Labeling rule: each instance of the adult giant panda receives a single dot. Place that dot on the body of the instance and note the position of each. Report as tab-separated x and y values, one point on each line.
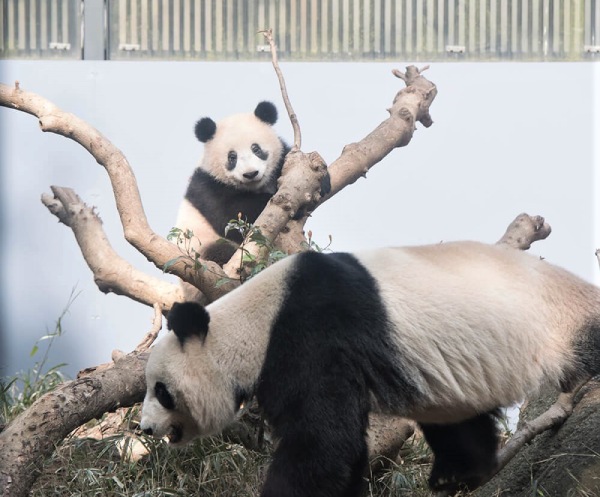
243	158
442	334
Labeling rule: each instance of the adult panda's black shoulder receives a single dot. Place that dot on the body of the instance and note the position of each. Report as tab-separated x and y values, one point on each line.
443	334
243	158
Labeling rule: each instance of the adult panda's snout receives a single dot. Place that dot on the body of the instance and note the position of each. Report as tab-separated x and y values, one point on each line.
145	427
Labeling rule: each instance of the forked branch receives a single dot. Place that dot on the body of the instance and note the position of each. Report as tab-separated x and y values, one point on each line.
111	272
136	229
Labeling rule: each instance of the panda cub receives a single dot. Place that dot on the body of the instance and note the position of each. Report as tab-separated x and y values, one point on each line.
442	334
243	158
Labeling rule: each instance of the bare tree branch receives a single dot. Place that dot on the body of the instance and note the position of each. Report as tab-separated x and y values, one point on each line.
149	337
277	220
298	187
111	272
277	216
411	105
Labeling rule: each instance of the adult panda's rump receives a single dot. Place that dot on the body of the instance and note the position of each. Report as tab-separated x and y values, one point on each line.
586	356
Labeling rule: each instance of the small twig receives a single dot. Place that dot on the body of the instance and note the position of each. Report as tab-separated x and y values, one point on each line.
598	256
268	34
150	337
144	345
555	415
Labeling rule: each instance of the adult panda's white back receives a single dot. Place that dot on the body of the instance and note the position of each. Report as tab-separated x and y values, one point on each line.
480	326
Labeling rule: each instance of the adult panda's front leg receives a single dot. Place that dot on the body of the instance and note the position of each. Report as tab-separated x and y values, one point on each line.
320	423
308	465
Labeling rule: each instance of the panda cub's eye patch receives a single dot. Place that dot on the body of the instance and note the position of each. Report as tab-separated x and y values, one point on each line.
231	159
163	396
259	152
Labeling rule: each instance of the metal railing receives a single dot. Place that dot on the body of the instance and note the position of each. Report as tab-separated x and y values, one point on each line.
307	29
40	29
357	29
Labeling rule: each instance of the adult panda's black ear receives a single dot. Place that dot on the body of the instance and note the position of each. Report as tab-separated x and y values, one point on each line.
266	112
188	319
205	129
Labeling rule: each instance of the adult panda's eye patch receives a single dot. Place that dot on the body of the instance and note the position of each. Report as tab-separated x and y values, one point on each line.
163	396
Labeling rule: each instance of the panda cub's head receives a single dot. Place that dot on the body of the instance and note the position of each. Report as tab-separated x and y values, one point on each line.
188	394
243	150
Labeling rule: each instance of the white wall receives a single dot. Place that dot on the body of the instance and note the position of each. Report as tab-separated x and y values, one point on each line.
507	138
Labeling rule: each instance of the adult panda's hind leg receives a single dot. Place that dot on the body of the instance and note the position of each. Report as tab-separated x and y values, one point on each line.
465	453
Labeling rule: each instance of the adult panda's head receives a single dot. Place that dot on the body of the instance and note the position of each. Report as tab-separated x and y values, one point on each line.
243	150
187	392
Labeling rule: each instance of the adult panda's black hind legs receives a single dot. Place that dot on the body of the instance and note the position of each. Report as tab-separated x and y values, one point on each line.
465	453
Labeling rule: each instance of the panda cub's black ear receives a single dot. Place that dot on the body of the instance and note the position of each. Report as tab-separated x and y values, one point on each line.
266	112
205	129
188	319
